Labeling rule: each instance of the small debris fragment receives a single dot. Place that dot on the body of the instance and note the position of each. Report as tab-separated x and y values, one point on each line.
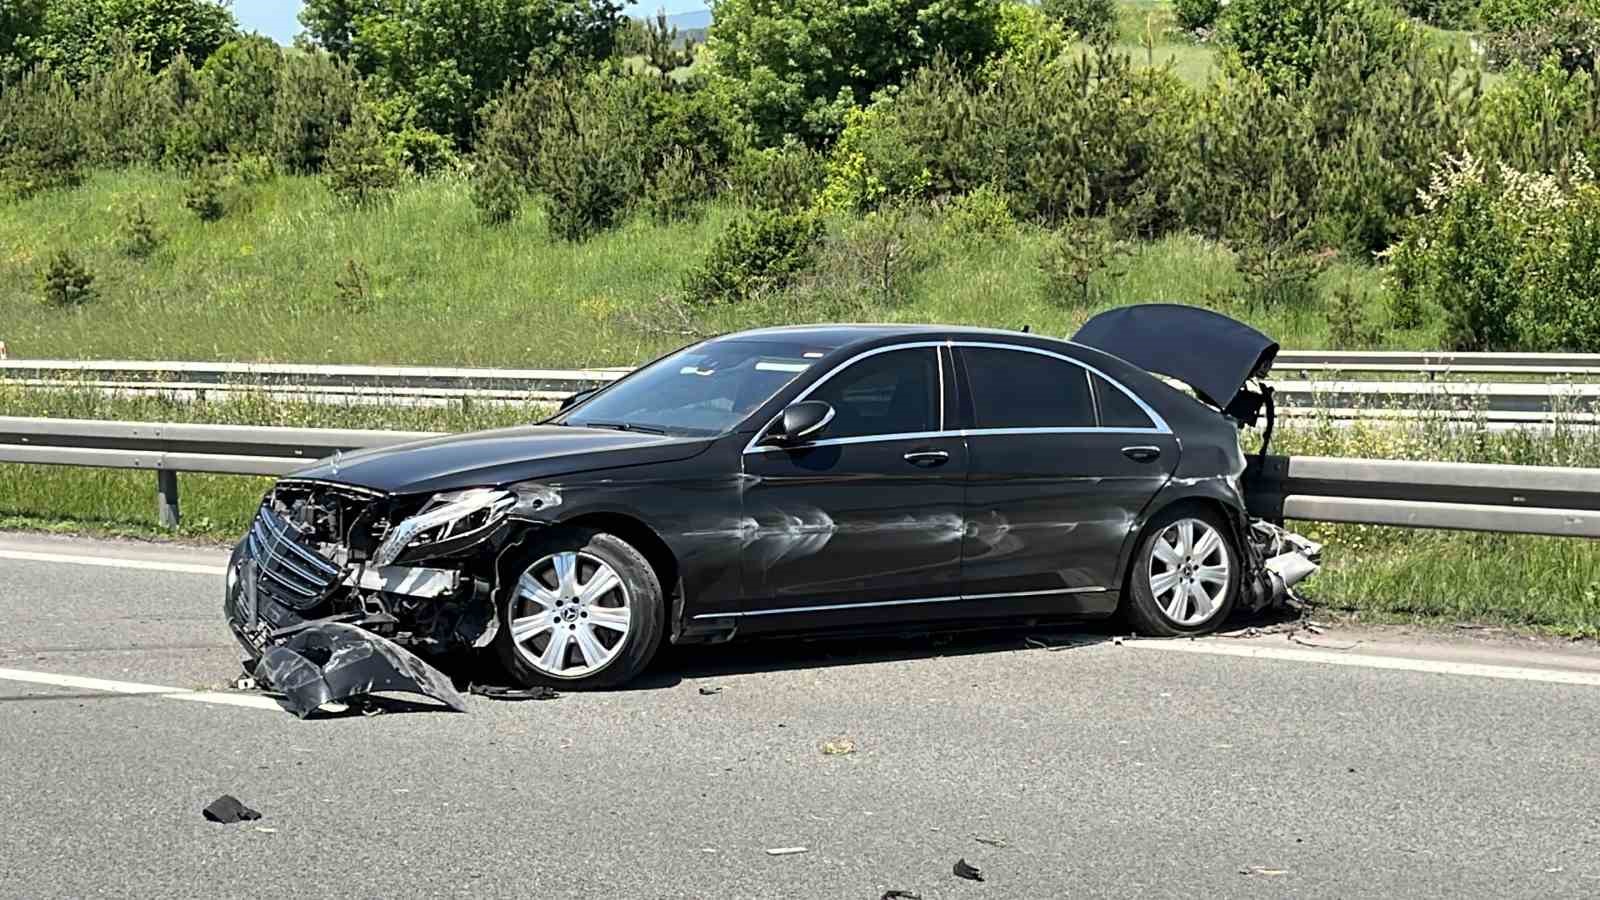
1117	641
710	691
993	842
242	683
838	746
969	872
265	830
227	809
785	851
1305	643
1262	870
1035	642
900	895
497	692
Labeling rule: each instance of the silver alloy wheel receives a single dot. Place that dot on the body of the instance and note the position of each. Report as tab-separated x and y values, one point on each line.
1189	569
570	614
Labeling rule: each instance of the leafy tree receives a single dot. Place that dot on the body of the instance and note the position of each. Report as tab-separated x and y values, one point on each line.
79	36
797	66
449	57
238	91
21	24
1284	41
1094	20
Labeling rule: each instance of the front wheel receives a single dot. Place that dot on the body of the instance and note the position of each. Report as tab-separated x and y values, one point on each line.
583	611
1185	574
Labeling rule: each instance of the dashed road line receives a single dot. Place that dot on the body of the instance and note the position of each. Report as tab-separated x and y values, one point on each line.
1216	647
162	692
114	562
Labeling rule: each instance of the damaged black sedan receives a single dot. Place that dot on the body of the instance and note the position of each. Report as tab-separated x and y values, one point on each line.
806	479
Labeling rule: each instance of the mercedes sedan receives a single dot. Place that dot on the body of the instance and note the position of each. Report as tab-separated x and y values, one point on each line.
838	478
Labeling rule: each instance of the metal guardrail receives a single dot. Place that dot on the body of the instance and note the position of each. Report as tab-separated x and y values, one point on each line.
1472	497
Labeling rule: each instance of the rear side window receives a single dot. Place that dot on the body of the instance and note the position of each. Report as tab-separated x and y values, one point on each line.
1016	389
1117	410
890	393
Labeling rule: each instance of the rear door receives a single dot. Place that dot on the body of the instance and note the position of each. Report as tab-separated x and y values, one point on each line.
865	521
1062	460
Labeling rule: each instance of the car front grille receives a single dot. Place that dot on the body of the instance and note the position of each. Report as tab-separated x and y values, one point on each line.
287	570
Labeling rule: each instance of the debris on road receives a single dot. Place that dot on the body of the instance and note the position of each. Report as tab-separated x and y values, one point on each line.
786	851
332	661
838	746
1262	870
710	691
265	830
496	692
993	842
969	872
227	810
1305	643
900	895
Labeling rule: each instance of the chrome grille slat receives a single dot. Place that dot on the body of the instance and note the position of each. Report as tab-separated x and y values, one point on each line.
281	563
282	529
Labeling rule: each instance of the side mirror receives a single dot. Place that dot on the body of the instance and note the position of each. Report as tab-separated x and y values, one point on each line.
577	398
800	422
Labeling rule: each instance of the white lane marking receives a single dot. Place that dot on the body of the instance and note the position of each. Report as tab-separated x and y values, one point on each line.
253	701
1369	661
114	562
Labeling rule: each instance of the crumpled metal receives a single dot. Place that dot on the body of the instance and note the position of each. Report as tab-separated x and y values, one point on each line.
334	661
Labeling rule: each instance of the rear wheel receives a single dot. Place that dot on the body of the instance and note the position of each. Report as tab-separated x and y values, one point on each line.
583	611
1185	574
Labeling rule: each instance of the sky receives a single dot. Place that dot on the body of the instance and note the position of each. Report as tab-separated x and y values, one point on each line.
277	18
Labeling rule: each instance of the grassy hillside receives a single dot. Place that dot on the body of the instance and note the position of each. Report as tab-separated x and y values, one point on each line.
440	288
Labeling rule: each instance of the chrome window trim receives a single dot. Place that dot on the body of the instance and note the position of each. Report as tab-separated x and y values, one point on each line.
1160	424
951	599
751	447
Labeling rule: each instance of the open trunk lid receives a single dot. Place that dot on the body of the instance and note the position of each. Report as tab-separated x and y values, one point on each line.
1208	351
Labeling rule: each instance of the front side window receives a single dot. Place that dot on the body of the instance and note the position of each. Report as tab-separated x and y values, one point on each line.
889	393
705	390
1017	389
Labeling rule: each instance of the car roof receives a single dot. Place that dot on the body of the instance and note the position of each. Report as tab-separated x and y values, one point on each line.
835	337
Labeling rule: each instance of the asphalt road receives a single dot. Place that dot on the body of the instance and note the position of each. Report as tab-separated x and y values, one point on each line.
1236	767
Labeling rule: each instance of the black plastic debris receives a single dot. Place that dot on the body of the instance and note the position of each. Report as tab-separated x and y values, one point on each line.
497	692
334	661
227	809
969	872
900	895
710	691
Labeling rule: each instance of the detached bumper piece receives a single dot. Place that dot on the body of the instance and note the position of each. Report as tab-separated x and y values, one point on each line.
332	661
1287	559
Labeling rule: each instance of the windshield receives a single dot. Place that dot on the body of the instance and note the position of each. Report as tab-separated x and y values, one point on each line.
704	390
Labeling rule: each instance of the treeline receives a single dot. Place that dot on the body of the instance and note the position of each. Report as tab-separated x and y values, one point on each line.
1335	127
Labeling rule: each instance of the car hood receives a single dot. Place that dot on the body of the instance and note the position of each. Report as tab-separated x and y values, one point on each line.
500	457
1208	351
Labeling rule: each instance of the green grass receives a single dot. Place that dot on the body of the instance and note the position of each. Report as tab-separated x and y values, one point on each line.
445	290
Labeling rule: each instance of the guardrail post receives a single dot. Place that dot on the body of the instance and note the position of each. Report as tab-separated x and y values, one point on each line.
167	497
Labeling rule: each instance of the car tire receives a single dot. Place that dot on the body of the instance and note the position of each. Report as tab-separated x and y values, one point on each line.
557	591
1162	580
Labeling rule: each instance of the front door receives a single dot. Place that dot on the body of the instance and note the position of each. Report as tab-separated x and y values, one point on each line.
865	521
1062	462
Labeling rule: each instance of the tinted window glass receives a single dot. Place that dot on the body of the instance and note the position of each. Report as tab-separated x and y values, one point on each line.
1117	410
1014	389
704	390
891	393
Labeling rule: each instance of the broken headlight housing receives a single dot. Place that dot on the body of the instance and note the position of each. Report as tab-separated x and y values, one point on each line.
446	523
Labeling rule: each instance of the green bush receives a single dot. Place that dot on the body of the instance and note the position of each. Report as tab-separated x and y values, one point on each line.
1530	32
1078	259
141	238
206	193
981	216
758	255
677	191
787	178
1093	20
1024	29
1537	120
42	145
1455	14
65	282
797	68
1197	15
361	171
591	158
314	99
1285	40
496	193
125	113
238	89
79	37
1510	259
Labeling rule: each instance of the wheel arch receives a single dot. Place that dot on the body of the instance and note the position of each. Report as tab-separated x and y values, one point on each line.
1213	495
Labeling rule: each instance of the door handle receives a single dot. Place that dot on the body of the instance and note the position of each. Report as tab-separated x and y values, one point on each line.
1142	454
927	458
